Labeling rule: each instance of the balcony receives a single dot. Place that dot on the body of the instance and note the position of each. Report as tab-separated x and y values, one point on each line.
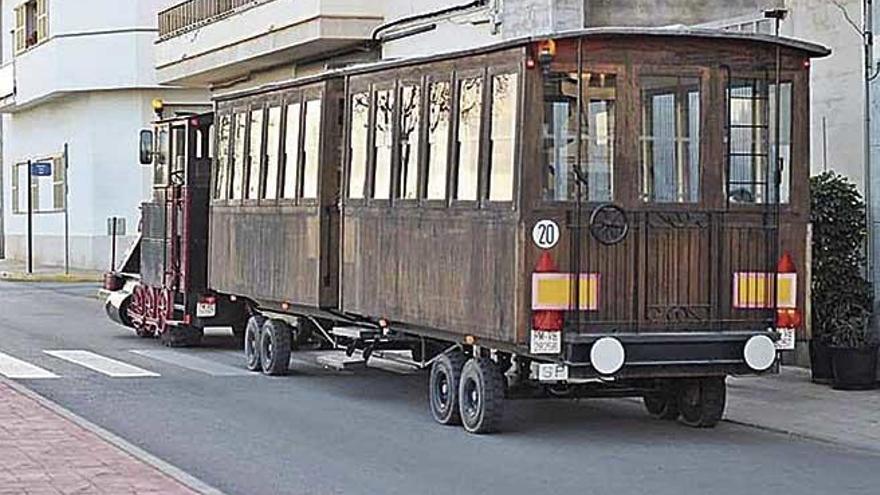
211	42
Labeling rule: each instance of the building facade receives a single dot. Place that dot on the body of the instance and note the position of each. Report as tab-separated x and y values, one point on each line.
80	79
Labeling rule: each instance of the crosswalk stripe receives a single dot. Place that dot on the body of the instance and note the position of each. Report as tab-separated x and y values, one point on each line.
102	364
15	368
191	362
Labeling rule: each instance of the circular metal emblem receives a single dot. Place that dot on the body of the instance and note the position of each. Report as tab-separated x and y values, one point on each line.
545	234
608	224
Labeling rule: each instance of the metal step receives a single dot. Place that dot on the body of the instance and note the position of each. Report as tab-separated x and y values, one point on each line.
337	360
355	333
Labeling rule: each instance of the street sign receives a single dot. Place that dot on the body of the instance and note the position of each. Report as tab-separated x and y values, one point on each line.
115	226
41	169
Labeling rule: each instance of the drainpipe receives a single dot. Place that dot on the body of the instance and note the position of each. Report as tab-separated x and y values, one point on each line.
2	162
870	75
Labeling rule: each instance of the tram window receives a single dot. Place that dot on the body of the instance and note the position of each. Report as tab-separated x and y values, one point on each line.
785	112
160	171
311	148
470	106
273	141
504	99
751	136
360	131
597	128
410	117
255	154
670	139
238	158
178	153
384	142
220	189
291	151
438	138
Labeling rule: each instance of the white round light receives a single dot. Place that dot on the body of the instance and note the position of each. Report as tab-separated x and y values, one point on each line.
607	355
760	352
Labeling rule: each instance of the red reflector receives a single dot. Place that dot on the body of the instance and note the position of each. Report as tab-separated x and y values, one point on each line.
207	299
547	321
187	319
788	318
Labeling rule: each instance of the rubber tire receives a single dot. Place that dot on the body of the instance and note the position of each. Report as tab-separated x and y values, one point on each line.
251	342
701	401
663	405
447	368
275	348
481	378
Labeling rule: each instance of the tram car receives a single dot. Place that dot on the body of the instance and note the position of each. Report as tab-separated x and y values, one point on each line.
608	212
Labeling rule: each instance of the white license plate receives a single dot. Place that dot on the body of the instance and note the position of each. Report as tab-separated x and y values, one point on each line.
552	372
546	342
206	310
786	339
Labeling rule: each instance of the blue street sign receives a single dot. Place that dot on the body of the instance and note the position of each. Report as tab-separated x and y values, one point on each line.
41	169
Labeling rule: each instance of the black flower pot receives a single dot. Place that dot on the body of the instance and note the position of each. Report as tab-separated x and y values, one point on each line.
854	369
820	362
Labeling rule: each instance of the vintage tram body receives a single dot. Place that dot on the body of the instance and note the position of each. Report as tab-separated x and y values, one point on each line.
607	212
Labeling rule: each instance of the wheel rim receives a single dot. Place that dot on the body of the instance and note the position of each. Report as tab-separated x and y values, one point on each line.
442	395
471	398
268	347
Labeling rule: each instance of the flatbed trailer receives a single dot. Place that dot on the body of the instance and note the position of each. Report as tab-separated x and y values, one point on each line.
609	212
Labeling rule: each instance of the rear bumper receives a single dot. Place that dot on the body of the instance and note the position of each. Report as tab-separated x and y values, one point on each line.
666	355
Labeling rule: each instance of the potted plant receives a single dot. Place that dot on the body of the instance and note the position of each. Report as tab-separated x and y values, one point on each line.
841	297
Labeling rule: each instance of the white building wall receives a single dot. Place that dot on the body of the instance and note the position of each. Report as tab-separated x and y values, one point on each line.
90	86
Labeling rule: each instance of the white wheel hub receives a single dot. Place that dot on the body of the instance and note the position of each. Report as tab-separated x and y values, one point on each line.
607	355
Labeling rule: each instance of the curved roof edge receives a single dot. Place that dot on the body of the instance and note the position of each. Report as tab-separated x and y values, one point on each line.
812	49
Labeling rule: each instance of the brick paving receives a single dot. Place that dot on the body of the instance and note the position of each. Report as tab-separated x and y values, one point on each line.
42	452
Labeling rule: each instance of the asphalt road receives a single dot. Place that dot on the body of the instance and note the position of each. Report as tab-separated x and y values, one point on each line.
369	432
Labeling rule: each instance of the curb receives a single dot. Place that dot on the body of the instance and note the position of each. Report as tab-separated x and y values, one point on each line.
47	277
803	436
165	468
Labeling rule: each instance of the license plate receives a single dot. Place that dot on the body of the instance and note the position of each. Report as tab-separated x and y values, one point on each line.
206	309
786	339
546	342
552	372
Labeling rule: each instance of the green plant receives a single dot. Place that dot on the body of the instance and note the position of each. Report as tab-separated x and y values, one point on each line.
841	297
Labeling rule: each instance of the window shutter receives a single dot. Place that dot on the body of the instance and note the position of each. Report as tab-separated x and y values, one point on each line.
42	20
58	184
16	200
20	41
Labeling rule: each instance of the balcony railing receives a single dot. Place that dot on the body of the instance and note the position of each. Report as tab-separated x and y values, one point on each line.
192	14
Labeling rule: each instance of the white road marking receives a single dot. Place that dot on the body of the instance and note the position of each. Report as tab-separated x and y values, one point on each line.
102	364
193	363
11	367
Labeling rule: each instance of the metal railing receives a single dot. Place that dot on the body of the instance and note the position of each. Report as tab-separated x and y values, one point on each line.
192	14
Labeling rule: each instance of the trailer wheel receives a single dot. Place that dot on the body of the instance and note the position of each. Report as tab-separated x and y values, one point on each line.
481	396
252	342
443	388
662	405
701	402
275	347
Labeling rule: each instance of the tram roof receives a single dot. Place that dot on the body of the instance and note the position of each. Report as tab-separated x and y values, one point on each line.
812	50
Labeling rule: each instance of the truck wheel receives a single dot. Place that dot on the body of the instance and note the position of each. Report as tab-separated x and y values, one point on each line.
481	396
443	388
662	405
701	402
252	342
275	347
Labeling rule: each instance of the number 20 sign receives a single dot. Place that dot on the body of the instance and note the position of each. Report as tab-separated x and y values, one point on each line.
545	234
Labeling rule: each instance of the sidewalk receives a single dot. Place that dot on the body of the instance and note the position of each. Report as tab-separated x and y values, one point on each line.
790	403
44	450
15	270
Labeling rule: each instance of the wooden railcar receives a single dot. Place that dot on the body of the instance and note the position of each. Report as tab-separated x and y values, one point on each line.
610	211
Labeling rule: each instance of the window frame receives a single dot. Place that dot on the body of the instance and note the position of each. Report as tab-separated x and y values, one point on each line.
519	106
288	99
356	88
370	190
222	112
311	94
620	190
448	77
787	76
272	103
254	106
704	188
455	155
398	186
